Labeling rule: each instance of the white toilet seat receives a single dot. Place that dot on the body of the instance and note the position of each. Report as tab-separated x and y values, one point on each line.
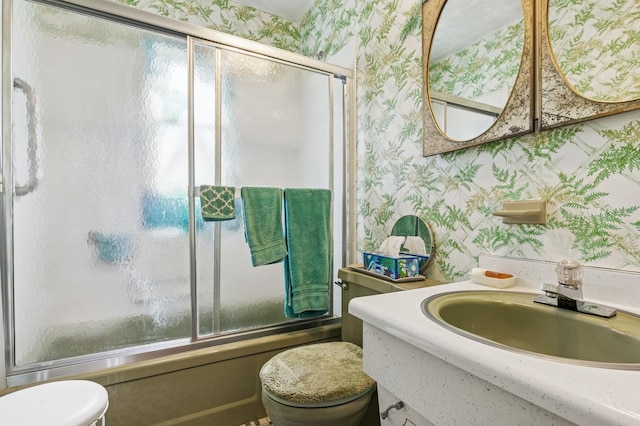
63	403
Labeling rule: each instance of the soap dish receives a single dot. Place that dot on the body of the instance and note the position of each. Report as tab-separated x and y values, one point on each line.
479	276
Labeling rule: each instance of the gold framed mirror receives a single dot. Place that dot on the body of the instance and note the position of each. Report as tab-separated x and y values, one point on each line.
588	60
458	116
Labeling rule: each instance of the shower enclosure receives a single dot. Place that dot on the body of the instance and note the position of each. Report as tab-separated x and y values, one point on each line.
112	119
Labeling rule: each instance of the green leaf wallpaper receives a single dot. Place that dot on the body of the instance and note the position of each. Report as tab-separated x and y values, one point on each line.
228	17
589	173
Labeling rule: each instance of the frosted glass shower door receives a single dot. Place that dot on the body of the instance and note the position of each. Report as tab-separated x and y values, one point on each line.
101	243
275	132
116	123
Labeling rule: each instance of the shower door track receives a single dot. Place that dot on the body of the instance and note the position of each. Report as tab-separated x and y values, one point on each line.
142	19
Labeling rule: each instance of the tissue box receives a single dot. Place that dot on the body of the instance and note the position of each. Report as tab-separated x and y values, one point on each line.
403	266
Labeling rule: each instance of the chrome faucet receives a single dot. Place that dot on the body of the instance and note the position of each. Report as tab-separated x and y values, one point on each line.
567	294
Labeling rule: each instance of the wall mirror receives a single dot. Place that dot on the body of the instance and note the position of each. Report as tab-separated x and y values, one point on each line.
413	226
589	54
478	72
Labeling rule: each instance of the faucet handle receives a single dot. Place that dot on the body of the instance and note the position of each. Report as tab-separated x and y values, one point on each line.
569	273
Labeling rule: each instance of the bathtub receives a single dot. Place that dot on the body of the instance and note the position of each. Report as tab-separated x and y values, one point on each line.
213	386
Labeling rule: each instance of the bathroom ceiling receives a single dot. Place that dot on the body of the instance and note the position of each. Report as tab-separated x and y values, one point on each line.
292	10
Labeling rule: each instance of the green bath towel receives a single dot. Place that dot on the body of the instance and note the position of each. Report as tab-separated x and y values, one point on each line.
217	202
263	229
308	262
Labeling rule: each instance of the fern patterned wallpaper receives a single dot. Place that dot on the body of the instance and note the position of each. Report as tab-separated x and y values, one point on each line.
228	17
589	173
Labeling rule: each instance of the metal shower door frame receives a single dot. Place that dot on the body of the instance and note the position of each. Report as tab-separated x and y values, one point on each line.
144	20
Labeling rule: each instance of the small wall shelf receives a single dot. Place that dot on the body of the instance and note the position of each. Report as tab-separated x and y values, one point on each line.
523	212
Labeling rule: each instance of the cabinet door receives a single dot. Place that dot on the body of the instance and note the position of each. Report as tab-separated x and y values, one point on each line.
405	416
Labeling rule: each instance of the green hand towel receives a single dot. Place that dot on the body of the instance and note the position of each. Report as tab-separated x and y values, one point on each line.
263	224
308	262
216	202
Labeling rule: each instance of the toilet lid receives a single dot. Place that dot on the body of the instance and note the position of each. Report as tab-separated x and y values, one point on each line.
316	375
64	403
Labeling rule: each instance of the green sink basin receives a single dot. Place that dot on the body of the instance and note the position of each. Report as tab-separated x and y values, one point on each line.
512	321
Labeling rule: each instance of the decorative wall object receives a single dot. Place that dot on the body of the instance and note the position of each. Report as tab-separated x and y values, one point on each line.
493	96
588	59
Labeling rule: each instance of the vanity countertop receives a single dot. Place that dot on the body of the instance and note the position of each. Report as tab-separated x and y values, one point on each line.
583	395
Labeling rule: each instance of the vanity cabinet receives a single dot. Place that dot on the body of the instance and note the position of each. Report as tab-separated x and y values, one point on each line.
436	392
445	378
405	416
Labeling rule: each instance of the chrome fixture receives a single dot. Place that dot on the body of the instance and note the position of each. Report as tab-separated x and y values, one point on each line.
567	294
398	406
342	284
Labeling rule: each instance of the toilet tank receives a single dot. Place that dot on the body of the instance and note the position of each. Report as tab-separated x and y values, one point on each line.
355	283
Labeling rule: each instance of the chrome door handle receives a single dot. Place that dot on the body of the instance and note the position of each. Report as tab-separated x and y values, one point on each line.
32	138
397	406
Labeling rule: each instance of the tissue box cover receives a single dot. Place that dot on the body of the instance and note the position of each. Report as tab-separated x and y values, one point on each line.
405	265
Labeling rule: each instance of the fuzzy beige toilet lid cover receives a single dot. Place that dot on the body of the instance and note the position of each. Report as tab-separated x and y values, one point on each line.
323	372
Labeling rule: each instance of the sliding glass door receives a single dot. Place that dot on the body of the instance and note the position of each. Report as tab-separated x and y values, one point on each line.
115	127
100	237
275	132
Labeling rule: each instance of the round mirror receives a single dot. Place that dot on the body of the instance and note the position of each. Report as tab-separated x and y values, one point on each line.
596	48
422	244
475	57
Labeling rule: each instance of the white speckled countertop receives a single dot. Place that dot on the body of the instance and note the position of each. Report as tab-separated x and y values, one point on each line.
583	395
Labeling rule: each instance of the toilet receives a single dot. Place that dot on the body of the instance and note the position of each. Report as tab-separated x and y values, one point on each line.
63	403
324	383
321	384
